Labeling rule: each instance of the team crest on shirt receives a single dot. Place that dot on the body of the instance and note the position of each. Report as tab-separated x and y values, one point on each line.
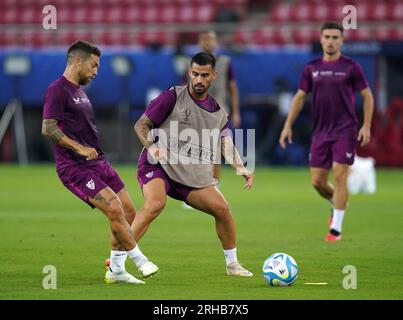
91	184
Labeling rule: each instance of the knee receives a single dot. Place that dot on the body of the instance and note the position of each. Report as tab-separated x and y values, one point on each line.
153	208
130	214
222	210
340	178
318	184
116	212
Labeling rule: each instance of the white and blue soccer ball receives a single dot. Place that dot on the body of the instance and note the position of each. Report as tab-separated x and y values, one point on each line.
280	269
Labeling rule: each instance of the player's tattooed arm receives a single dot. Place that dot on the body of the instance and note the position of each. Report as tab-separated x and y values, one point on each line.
142	128
51	130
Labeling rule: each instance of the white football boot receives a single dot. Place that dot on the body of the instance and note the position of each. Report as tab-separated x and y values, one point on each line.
123	277
148	269
235	269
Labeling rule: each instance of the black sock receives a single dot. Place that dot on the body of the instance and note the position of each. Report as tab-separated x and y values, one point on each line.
334	232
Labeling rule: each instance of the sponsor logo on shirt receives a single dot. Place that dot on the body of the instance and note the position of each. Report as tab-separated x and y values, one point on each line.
326	73
150	174
339	73
349	155
79	100
91	184
315	73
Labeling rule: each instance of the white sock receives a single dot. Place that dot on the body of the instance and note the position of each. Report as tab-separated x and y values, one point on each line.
338	216
137	256
118	260
230	256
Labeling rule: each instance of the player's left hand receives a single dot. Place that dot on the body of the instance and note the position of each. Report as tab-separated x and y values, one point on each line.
248	177
364	135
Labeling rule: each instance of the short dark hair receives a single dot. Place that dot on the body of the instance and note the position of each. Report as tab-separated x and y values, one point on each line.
204	31
332	25
82	48
203	59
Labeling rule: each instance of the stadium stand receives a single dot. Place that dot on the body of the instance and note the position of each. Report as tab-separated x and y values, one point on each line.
281	24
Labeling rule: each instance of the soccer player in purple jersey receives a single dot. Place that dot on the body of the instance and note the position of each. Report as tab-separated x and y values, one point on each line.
333	81
68	121
192	108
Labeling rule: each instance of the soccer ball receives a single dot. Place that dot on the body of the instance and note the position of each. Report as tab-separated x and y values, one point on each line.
280	269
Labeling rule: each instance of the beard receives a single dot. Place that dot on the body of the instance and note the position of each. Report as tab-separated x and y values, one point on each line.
199	89
331	51
83	80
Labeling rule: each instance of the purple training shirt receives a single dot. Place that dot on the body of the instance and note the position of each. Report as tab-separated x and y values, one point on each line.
68	103
333	85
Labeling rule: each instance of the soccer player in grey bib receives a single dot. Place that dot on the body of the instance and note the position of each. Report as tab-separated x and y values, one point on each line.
178	165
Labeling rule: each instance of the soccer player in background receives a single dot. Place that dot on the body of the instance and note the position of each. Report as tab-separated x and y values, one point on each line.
190	107
333	80
68	121
224	89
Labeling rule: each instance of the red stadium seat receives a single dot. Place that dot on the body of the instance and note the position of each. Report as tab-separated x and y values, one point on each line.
65	14
97	15
132	14
114	37
115	15
305	35
321	12
7	38
10	16
281	12
396	11
302	12
168	14
378	12
396	34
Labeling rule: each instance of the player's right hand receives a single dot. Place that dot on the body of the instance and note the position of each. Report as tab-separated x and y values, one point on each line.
286	134
157	154
88	153
248	177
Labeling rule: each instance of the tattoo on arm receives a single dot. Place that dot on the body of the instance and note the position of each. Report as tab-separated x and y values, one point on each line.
142	128
50	129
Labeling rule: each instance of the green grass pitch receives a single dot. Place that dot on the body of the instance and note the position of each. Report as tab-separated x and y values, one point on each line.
42	223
